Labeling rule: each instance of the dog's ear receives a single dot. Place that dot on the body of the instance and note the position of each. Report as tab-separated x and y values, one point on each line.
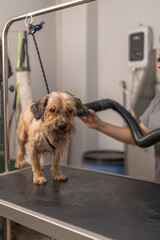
38	108
81	108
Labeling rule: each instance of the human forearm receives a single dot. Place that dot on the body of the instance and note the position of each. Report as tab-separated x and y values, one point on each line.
122	134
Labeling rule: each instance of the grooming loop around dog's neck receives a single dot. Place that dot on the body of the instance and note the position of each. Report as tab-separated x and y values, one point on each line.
47	140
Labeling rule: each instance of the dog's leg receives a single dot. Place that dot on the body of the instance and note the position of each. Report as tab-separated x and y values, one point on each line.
56	172
22	138
38	176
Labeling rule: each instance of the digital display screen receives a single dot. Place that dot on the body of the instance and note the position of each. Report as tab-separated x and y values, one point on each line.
137	37
136	46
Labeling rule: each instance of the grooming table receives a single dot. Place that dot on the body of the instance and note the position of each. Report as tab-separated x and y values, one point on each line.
91	205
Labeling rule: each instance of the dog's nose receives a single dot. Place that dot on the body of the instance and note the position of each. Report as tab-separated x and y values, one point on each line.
62	126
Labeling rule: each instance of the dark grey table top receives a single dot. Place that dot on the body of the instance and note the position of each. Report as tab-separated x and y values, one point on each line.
108	205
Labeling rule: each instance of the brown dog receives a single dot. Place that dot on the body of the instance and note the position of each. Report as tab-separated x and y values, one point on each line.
46	125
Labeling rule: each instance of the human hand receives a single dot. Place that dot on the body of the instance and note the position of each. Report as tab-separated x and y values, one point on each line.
91	120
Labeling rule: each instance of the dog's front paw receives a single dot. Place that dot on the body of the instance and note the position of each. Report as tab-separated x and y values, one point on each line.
39	180
20	164
60	178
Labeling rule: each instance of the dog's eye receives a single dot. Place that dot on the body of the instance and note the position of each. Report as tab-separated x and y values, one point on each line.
52	110
70	111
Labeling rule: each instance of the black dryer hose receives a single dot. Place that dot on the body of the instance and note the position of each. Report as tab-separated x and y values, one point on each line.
140	140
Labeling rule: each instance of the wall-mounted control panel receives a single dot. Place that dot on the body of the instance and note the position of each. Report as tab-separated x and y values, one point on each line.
139	47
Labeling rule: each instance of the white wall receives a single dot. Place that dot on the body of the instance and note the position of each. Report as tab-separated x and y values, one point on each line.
71	64
86	54
46	43
109	38
115	18
76	65
45	39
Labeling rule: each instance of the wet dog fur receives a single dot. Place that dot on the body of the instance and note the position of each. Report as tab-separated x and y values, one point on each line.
47	125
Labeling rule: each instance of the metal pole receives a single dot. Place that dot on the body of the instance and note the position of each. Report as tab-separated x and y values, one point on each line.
5	97
5	63
8	229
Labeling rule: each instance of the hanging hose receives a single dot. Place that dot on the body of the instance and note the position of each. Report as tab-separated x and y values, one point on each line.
140	140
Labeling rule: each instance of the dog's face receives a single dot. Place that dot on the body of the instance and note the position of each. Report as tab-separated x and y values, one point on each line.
57	111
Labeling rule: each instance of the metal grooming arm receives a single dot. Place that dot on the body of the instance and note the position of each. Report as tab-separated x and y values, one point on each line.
5	64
